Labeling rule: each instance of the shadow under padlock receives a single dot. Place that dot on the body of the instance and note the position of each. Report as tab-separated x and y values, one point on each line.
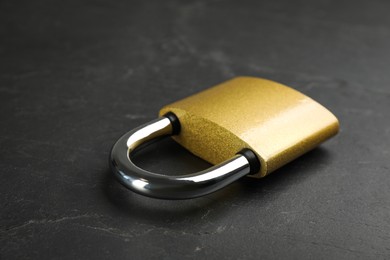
166	156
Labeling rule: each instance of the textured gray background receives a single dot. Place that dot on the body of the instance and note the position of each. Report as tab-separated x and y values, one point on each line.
75	75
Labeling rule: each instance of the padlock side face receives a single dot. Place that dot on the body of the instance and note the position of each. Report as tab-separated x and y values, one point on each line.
205	138
278	123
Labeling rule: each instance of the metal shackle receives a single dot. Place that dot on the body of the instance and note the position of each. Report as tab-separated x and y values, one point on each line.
173	187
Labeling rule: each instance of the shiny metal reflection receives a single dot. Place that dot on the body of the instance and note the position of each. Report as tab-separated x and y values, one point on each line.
163	186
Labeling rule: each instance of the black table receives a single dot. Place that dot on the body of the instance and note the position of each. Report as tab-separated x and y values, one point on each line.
75	75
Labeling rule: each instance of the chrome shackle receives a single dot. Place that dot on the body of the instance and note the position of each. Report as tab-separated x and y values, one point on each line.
173	187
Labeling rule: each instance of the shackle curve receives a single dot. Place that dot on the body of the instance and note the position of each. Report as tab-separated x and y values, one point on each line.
173	187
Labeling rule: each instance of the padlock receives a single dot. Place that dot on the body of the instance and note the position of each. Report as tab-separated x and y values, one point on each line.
245	126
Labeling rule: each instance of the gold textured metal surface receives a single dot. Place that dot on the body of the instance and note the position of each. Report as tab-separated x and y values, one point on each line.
277	122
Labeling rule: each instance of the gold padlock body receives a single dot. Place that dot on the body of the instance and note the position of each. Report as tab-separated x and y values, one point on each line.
276	122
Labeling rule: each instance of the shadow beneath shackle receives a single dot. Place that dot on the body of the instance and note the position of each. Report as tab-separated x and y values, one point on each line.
167	157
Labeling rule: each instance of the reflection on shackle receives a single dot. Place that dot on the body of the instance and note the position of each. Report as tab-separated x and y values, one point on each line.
163	186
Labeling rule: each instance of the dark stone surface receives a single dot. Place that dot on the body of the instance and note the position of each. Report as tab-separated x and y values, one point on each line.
75	75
